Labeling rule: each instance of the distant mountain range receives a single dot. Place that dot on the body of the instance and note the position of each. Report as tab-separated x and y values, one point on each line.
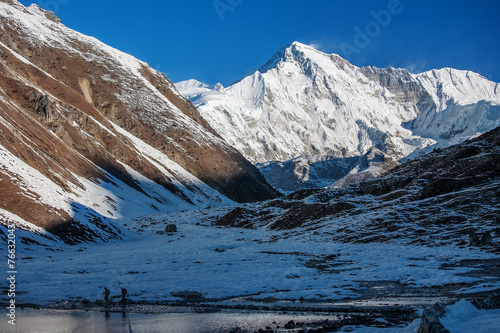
306	116
90	135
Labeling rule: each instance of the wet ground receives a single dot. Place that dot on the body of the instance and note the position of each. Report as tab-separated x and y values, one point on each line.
242	314
206	319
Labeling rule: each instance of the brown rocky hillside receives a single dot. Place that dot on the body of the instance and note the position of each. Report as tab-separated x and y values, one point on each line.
76	113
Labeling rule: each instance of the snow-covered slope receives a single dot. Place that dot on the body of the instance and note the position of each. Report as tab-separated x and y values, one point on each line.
90	135
305	102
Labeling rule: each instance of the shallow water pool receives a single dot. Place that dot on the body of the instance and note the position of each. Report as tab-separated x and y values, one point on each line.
45	320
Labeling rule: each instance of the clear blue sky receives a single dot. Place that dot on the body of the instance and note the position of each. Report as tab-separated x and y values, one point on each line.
223	40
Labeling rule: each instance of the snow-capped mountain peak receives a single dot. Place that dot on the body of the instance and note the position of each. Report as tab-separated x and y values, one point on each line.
193	87
464	86
300	54
306	102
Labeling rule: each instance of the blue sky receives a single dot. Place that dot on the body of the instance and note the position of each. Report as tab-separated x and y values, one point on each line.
223	40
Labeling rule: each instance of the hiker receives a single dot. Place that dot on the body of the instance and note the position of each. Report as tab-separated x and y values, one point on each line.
124	292
106	294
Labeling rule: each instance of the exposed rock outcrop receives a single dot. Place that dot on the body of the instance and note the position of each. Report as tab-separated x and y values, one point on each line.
430	320
171	228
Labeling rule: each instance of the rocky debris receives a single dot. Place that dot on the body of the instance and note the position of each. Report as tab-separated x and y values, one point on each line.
73	233
490	302
280	203
443	171
436	199
430	322
327	264
297	215
236	330
188	295
248	217
302	194
237	218
372	317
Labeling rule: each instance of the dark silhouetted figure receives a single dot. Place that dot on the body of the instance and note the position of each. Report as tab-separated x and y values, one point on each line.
106	295
124	292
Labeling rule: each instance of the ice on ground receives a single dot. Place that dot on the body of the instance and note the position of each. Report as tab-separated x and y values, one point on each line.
463	317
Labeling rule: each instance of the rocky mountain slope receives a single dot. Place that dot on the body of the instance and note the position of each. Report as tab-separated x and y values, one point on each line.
319	106
322	171
90	134
448	197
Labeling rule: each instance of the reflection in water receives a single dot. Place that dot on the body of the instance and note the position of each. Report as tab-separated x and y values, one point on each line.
29	320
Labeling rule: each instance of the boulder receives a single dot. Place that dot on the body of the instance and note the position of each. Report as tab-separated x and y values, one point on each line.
171	228
473	239
430	320
476	240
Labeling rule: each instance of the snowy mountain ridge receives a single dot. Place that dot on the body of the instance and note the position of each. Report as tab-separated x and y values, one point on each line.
304	102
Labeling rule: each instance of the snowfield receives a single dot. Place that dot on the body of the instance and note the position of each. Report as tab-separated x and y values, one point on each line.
400	242
233	266
226	263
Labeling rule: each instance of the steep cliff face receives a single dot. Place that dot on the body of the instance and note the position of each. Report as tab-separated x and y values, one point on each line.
90	133
307	103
